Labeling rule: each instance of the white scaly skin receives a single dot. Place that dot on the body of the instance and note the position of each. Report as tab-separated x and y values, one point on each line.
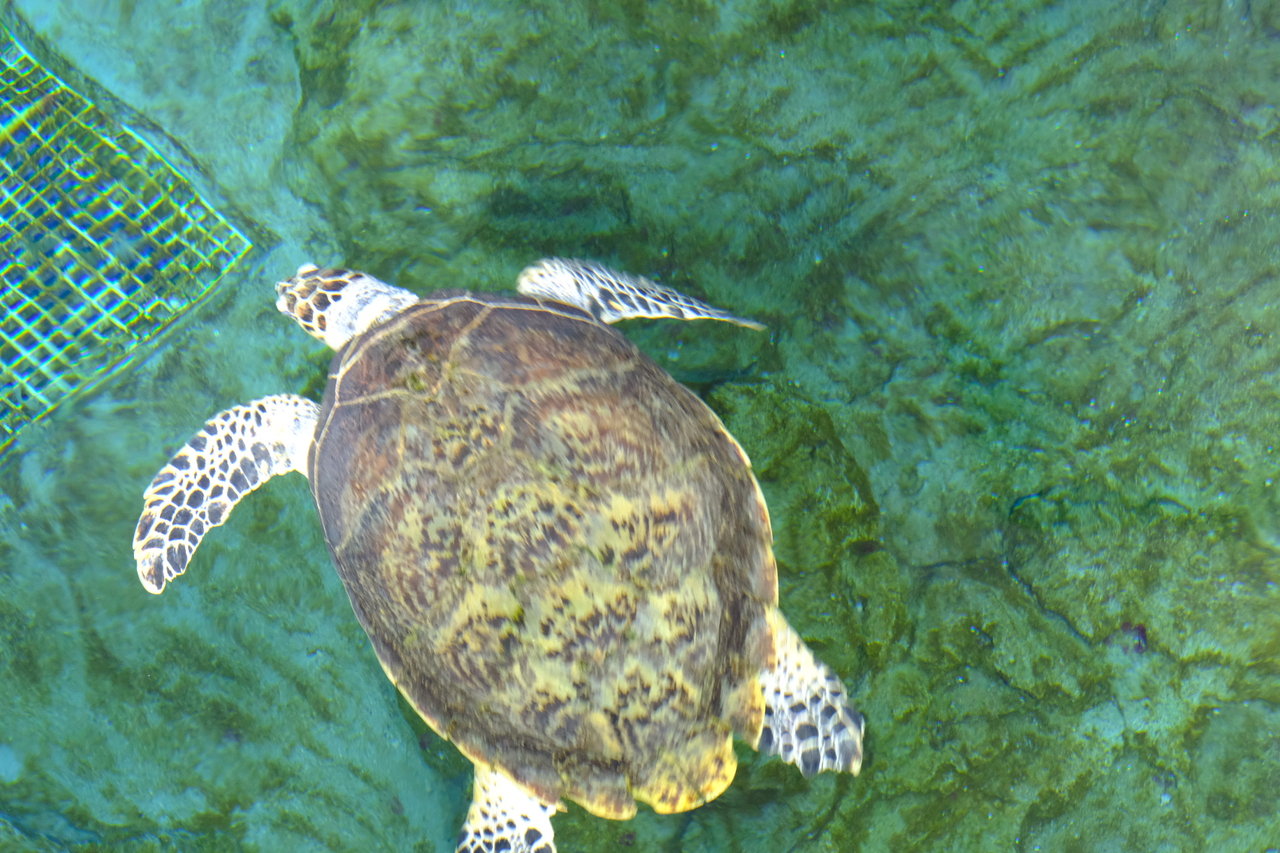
505	816
236	452
610	296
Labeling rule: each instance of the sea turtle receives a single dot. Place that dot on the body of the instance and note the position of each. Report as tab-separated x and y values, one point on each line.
559	553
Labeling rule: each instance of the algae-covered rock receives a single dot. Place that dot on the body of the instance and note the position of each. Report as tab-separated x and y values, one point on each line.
1015	414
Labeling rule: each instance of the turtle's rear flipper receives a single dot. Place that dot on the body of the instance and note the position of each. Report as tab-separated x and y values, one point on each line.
505	817
808	719
237	451
610	296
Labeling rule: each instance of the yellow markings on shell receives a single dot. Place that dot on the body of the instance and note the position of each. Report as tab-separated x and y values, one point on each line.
485	615
691	776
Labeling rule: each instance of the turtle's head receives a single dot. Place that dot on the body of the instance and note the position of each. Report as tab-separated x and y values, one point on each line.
336	305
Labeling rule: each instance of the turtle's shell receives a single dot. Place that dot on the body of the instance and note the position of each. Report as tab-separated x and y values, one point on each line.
559	552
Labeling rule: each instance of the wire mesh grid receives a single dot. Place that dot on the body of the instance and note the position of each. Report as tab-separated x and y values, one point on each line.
102	242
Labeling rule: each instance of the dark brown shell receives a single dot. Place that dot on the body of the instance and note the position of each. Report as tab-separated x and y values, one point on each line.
559	553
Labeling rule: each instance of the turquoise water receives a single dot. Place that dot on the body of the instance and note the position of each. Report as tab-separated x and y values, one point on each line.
1015	415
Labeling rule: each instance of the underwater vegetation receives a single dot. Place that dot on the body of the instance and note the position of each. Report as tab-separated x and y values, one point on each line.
1015	414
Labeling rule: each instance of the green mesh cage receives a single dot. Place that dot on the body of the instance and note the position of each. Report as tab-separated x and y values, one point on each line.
102	242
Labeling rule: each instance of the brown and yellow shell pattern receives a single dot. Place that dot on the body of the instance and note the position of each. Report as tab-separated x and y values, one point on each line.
560	554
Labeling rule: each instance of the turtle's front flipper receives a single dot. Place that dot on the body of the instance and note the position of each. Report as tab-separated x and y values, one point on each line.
505	816
235	452
611	296
808	719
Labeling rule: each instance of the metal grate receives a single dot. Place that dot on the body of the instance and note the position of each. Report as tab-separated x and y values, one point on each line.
102	242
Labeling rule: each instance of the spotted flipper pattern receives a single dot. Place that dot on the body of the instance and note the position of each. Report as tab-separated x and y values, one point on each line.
610	296
505	817
808	720
236	452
